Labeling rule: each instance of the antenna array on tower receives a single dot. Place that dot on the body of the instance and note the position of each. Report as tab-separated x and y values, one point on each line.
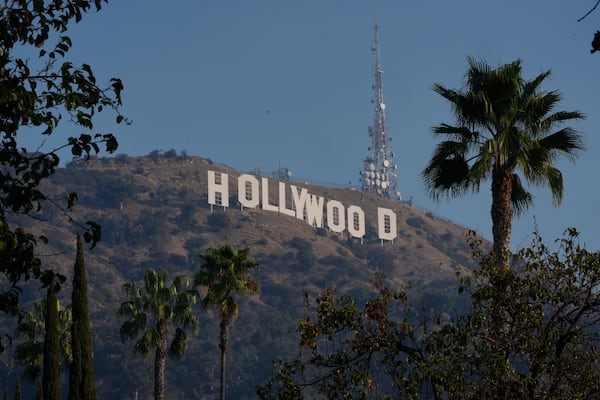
379	168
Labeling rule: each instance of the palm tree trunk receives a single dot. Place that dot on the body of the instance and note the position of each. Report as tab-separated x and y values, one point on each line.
501	215
223	345
160	362
501	229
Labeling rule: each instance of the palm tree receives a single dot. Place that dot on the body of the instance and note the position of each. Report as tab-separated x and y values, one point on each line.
152	312
225	272
31	327
506	129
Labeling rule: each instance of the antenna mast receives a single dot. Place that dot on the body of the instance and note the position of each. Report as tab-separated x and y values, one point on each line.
379	168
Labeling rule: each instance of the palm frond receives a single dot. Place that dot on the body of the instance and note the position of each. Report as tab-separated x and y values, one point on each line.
188	319
149	341
561	116
151	281
531	87
229	308
520	198
535	109
554	180
128	308
480	169
132	327
449	94
201	278
460	133
131	290
448	176
31	356
181	281
225	272
566	141
178	344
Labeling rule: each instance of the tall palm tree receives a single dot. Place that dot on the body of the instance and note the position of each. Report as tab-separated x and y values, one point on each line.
152	312
225	272
506	129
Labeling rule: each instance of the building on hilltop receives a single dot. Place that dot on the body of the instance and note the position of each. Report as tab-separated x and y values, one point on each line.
379	168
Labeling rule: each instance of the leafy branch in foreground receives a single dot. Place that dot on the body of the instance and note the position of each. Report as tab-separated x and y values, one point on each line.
530	332
39	89
349	352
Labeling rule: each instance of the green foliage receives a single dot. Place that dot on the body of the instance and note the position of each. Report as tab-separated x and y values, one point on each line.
218	221
305	257
415	222
186	220
40	88
380	259
447	237
152	223
300	244
17	252
262	241
336	261
321	232
349	352
115	232
170	153
113	190
530	333
154	155
193	244
358	249
82	385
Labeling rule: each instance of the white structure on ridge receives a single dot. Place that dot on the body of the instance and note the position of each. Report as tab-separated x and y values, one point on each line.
379	169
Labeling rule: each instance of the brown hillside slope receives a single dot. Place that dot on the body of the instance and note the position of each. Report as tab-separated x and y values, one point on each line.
155	213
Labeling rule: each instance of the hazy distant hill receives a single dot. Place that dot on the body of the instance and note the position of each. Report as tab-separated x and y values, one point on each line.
154	212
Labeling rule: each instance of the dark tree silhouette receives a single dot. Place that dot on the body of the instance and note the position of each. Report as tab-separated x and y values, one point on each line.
81	374
51	368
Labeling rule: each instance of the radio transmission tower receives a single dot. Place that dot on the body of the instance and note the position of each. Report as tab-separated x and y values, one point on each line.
379	169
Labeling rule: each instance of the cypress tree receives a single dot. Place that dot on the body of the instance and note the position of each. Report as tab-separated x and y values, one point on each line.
81	375
51	366
39	394
18	389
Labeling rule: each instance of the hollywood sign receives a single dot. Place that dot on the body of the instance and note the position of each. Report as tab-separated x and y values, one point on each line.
253	192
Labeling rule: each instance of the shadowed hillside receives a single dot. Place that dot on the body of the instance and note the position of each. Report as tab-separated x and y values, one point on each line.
155	212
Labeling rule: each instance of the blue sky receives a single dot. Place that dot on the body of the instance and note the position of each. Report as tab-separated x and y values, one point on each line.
263	83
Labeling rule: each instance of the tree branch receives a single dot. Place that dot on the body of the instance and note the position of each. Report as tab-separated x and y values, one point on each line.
589	12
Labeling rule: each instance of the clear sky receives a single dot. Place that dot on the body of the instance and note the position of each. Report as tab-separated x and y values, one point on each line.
269	83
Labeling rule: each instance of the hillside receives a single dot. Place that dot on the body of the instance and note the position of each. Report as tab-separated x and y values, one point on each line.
155	212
